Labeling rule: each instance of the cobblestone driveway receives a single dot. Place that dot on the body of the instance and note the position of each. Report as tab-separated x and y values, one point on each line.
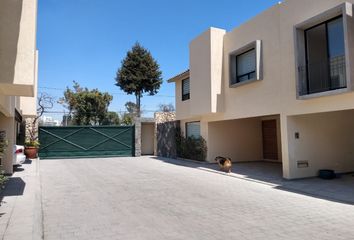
145	198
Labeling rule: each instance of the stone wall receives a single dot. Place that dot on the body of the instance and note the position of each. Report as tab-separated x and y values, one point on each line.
165	134
137	129
28	126
162	117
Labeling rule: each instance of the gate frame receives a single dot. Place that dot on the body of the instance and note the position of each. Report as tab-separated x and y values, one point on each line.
41	128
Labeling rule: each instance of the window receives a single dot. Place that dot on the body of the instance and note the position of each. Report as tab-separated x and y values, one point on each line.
325	67
185	89
246	66
193	129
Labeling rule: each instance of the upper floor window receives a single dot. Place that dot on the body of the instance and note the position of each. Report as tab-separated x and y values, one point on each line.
245	64
193	129
185	89
325	65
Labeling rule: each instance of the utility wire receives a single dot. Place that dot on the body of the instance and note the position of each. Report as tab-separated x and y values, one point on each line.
63	89
67	112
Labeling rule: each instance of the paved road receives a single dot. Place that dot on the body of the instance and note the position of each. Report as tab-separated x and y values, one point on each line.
145	198
20	209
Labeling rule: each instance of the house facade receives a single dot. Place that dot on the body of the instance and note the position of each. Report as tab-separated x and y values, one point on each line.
278	88
18	71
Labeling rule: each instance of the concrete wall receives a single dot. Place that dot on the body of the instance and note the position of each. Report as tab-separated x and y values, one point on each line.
28	105
17	47
241	140
147	138
200	83
183	107
326	142
18	66
7	105
277	92
205	75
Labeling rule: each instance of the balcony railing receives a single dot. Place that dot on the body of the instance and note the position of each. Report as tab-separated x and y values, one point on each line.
322	76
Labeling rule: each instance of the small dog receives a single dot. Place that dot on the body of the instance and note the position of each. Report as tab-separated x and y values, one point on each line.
224	163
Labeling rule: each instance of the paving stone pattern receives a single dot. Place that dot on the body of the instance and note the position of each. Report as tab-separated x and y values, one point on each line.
147	198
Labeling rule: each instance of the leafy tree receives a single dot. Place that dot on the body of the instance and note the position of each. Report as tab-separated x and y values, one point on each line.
127	120
131	107
166	107
112	118
139	74
88	107
131	112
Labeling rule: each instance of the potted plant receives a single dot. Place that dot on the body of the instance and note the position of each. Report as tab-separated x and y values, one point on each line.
31	148
32	143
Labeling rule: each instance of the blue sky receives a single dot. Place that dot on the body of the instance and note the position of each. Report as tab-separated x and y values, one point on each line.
86	40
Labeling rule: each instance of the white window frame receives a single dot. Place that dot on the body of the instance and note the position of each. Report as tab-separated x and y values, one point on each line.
257	46
186	126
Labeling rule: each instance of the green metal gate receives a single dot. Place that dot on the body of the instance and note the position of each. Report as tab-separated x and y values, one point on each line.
86	141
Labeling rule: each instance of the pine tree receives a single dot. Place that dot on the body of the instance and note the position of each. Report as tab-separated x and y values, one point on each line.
139	74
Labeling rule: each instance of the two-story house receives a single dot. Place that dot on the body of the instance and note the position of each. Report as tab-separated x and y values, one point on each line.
277	88
18	71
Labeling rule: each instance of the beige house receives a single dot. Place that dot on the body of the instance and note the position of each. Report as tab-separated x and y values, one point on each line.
18	70
277	88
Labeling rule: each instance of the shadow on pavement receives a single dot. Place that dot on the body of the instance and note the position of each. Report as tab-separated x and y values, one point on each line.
15	186
339	190
18	169
28	161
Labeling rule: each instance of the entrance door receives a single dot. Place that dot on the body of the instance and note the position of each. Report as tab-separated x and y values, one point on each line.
270	142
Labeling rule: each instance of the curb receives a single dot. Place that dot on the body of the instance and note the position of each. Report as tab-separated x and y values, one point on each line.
37	232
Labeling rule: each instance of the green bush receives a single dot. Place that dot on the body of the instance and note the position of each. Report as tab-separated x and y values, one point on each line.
33	143
3	146
191	147
3	179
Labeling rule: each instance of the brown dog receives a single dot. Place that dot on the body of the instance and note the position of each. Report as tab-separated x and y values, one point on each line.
224	163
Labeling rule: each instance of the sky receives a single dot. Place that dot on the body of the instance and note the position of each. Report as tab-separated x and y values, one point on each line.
86	40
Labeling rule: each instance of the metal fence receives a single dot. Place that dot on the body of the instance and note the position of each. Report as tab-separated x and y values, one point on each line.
86	141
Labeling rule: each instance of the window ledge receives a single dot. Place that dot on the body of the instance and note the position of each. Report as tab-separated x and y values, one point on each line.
323	94
234	85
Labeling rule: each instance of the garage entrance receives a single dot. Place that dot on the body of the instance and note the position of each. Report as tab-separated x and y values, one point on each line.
246	140
255	140
86	141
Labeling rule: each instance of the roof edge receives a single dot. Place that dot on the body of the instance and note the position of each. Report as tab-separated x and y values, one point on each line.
181	76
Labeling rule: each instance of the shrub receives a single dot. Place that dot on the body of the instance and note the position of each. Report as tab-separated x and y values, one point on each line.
191	147
3	145
34	143
3	179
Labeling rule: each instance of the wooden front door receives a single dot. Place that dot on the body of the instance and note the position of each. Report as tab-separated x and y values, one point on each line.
270	141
